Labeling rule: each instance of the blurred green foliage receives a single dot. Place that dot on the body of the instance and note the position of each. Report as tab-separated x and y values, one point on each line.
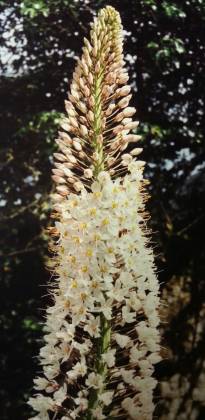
173	10
164	52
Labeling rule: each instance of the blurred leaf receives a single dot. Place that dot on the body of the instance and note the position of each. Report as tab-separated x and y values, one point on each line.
33	8
173	10
30	324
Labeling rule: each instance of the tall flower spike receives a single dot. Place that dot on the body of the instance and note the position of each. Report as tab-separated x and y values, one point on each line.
97	128
101	337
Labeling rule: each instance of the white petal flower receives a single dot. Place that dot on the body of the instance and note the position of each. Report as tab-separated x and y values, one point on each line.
94	380
60	395
106	397
41	383
134	410
127	375
42	404
154	358
122	340
134	302
104	178
109	357
80	369
52	370
98	413
82	403
128	316
136	354
93	326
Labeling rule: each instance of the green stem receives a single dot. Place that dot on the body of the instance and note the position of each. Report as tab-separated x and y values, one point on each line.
97	124
103	342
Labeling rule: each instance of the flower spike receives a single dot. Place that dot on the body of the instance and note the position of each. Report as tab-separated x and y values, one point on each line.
101	334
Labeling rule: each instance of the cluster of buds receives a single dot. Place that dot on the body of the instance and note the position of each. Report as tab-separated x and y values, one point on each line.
101	339
97	128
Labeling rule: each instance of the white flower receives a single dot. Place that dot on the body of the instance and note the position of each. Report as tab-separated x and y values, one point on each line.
41	383
117	292
145	399
94	380
67	333
150	304
106	308
127	375
103	177
98	413
134	302
136	354
122	340
83	347
82	403
93	326
109	357
60	395
146	369
154	358
134	410
80	369
148	383
128	316
126	278
41	403
51	371
106	397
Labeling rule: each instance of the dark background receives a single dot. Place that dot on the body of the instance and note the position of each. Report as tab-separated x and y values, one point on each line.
164	50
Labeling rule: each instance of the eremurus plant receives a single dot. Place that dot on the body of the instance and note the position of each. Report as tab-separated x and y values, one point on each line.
101	337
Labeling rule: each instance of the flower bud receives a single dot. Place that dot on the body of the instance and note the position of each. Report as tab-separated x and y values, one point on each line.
78	186
58	172
136	151
124	102
123	91
77	146
83	130
88	173
67	172
58	179
71	158
129	111
126	158
131	125
122	78
62	189
60	157
132	138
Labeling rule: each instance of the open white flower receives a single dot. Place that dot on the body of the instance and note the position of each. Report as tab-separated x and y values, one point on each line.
93	326
122	340
60	395
109	357
94	381
80	369
106	397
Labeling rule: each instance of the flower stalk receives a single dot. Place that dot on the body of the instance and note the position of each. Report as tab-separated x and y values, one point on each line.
101	336
103	345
